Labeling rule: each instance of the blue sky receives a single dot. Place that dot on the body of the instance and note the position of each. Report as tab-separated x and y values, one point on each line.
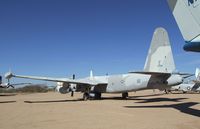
60	37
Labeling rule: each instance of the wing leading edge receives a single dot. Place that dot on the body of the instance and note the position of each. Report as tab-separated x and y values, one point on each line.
86	81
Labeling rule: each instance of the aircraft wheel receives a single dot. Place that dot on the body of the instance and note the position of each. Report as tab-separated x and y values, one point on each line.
184	92
86	96
97	95
125	95
166	91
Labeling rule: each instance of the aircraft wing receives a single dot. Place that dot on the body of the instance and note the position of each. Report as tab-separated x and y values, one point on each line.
85	81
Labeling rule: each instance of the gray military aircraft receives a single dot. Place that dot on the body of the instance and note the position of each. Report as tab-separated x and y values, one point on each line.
157	74
187	16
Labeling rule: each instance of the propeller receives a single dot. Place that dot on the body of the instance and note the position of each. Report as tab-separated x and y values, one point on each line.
0	80
72	86
8	83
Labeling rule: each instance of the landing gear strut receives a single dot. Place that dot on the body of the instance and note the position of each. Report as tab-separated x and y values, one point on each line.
167	91
86	96
125	95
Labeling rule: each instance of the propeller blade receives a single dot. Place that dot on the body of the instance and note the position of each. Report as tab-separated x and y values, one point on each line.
0	79
10	86
8	81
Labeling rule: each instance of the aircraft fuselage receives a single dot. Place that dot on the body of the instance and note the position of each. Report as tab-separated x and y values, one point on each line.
132	82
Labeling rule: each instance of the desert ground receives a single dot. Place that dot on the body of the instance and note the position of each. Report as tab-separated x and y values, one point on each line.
142	110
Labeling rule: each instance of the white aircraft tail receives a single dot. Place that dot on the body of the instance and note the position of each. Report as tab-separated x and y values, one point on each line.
91	74
187	16
160	57
197	74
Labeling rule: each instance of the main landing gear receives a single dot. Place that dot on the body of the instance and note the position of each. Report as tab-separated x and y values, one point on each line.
125	95
90	96
97	96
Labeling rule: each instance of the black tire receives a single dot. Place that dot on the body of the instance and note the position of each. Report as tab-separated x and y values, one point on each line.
166	91
184	92
97	95
125	95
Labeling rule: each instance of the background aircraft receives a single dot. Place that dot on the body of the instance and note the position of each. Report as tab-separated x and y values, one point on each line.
186	87
190	86
8	85
187	16
157	74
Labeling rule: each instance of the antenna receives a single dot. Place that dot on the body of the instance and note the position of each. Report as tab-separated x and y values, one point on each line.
91	74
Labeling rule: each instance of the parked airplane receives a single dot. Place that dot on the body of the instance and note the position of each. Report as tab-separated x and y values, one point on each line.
187	16
192	86
157	74
7	85
186	87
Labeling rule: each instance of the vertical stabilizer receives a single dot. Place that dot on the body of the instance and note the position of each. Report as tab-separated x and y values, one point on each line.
160	58
91	74
187	16
197	74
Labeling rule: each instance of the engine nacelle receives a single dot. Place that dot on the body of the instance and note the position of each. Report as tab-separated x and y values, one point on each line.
174	80
65	88
62	87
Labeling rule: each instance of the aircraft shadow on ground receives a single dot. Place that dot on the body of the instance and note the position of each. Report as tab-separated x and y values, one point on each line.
75	100
130	97
103	98
182	107
5	95
160	100
7	102
53	101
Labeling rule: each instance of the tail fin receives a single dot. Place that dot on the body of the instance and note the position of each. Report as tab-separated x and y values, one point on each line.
197	74
91	74
187	15
160	58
